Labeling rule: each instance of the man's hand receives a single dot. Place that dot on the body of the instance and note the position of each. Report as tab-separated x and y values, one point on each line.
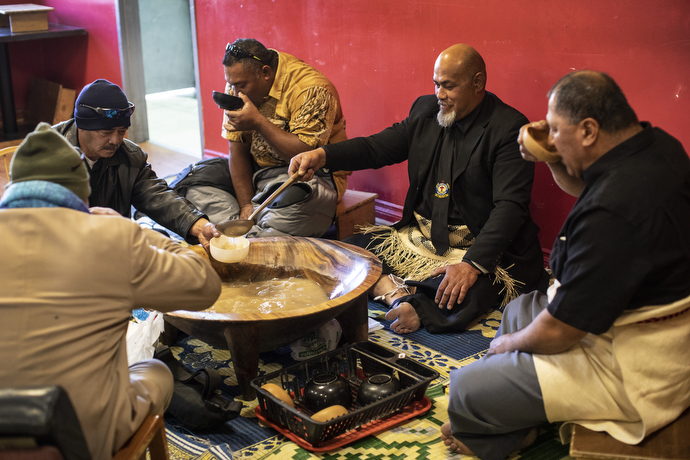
246	211
458	279
537	125
204	231
545	335
247	118
101	211
500	344
307	163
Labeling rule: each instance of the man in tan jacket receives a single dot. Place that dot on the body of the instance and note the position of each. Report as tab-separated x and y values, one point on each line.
70	280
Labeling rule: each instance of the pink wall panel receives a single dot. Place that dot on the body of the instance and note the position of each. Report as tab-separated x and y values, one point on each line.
101	58
70	61
380	56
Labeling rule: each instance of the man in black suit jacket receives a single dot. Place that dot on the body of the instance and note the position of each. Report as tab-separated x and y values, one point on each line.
466	221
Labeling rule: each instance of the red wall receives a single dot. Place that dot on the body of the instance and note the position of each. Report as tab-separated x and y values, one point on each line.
380	56
70	61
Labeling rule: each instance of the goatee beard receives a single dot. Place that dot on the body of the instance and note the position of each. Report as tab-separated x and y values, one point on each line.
445	119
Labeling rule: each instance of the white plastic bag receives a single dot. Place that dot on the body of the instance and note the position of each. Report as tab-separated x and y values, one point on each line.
324	339
143	332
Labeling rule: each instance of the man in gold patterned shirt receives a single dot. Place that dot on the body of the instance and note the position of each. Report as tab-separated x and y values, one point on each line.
289	107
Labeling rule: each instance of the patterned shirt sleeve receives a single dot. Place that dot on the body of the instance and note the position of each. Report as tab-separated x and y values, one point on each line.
313	120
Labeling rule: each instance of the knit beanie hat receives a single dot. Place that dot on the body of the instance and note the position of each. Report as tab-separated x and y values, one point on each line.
99	95
46	155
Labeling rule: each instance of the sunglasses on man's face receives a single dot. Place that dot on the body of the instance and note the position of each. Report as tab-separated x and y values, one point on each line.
239	53
112	113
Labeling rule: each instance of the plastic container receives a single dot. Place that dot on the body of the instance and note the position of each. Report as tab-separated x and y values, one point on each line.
355	363
229	250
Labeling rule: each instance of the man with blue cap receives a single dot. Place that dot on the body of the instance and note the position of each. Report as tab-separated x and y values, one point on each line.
121	176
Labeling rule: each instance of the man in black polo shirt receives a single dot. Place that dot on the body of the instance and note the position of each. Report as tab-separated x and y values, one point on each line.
607	346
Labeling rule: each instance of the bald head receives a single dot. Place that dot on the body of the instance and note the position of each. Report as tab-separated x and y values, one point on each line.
462	60
460	80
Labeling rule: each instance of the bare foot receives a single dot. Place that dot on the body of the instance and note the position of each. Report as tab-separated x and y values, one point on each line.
456	446
390	287
529	440
405	316
452	443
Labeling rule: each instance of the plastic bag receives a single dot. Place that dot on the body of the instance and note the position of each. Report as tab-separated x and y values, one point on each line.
324	339
143	331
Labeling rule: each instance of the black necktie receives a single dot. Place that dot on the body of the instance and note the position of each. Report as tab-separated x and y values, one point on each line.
439	214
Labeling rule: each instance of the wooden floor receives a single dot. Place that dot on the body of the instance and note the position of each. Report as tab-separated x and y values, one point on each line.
165	162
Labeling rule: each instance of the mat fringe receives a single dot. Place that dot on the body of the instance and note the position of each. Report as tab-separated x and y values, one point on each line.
417	263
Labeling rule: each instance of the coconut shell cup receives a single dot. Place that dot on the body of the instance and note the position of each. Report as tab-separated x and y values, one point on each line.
329	413
279	393
536	143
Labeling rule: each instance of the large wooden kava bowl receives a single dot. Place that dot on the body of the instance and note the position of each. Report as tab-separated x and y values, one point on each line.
346	273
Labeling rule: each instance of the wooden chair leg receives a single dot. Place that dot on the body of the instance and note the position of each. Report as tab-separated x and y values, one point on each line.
159	444
150	435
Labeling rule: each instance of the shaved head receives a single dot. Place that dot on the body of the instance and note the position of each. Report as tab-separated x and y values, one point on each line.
463	61
460	80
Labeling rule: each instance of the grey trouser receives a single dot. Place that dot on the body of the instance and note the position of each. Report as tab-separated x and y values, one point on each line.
496	401
310	214
217	204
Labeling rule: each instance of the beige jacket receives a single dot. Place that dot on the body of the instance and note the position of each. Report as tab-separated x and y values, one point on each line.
69	283
630	381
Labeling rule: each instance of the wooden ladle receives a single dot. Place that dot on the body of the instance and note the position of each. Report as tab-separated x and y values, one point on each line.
238	227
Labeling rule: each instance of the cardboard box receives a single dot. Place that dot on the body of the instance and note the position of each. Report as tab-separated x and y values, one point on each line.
24	17
48	101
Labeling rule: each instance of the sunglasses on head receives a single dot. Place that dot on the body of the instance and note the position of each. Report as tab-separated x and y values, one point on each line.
112	113
240	53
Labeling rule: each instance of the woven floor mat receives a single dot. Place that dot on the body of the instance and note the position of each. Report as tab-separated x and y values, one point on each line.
418	438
